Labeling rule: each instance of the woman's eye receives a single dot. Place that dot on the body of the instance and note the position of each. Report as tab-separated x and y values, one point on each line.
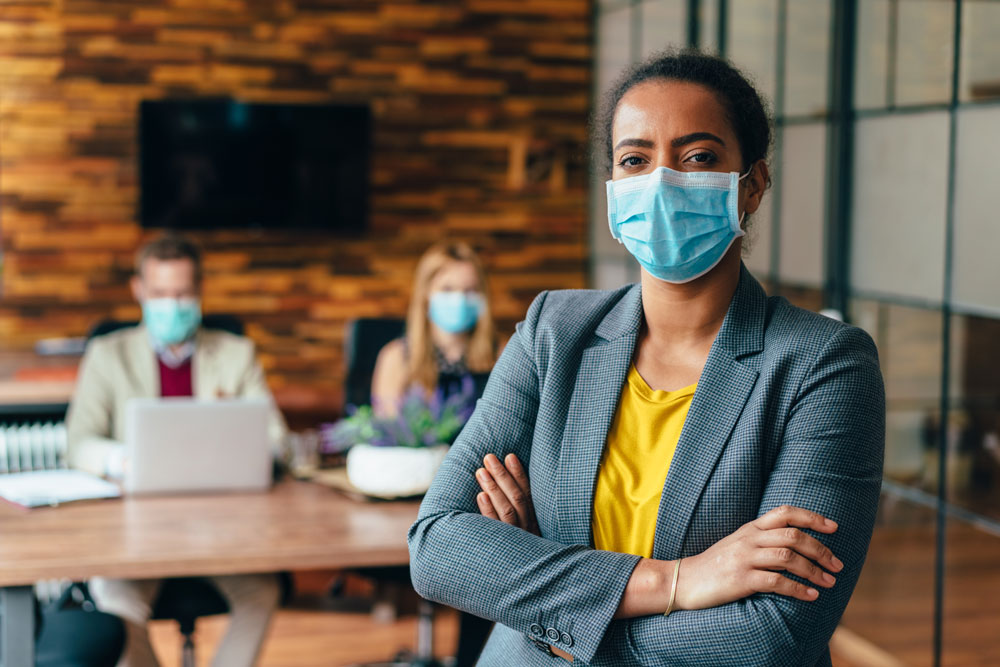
630	161
704	158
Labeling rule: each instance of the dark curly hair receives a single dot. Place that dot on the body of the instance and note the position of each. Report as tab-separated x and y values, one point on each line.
744	106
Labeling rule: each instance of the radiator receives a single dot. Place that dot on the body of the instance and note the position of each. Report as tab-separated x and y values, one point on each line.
38	446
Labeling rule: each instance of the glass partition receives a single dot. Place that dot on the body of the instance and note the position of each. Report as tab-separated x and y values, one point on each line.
914	252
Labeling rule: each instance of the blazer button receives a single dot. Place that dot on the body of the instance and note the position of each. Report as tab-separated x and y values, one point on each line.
552	634
537	629
566	639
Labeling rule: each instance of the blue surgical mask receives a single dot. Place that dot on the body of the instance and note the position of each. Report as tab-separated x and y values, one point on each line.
171	321
455	312
678	225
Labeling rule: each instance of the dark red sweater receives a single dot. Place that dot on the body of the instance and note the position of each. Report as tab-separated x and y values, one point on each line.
176	381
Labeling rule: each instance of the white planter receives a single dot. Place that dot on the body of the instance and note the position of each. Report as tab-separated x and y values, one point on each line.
394	471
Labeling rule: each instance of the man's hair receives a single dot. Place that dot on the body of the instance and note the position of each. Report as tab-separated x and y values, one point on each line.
170	246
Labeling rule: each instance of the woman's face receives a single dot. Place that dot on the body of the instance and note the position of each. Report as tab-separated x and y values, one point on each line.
683	126
455	276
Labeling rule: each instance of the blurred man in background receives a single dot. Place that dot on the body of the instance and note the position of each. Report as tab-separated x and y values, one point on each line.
169	354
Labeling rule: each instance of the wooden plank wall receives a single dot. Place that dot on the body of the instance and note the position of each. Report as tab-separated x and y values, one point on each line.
480	113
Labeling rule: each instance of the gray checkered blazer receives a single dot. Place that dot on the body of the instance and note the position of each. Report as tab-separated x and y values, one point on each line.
790	409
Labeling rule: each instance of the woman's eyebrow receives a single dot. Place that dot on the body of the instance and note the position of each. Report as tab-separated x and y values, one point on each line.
635	143
695	136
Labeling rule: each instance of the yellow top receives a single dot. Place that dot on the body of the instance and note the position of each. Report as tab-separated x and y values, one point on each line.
640	446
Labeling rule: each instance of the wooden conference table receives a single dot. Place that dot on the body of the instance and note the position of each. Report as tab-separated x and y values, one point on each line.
297	526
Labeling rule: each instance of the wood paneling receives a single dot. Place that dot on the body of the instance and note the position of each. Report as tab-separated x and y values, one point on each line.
480	126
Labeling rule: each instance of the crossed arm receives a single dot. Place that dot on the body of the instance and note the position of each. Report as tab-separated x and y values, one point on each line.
747	562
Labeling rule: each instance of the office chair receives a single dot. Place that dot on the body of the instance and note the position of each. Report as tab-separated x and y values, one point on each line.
366	336
185	600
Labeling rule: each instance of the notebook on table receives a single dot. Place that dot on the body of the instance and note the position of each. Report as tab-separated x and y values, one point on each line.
54	487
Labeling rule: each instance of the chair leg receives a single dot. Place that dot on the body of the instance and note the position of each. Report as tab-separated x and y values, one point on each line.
386	607
187	652
424	657
425	630
425	636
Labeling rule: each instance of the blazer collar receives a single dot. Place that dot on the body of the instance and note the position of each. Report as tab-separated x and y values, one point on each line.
205	364
625	318
142	362
742	330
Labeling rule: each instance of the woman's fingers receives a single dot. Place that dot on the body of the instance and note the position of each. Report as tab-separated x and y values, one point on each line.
520	476
808	546
506	493
786	515
517	472
504	509
773	582
786	559
486	506
516	496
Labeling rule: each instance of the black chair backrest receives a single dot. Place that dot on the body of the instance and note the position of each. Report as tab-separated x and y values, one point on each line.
223	322
366	336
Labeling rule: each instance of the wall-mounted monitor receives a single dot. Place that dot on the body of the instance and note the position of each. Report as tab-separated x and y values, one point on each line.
224	164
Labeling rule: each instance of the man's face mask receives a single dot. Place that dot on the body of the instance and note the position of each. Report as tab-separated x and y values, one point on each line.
171	321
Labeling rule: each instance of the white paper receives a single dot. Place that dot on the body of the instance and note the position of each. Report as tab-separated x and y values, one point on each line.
52	487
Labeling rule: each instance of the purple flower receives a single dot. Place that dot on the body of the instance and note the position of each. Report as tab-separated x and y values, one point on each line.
423	419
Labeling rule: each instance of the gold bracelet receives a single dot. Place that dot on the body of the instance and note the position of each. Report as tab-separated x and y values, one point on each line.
673	588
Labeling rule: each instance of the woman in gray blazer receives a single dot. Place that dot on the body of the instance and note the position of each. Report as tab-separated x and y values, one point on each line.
769	498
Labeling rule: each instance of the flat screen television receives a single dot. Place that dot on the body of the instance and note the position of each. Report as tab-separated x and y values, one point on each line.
224	164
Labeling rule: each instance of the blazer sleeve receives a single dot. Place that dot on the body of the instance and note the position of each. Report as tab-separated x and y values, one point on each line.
831	463
253	384
491	569
89	425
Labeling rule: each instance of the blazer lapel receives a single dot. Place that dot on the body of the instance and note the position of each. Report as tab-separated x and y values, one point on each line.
723	390
142	364
601	375
204	367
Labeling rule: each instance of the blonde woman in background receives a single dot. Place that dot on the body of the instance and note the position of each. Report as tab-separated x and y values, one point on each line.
450	337
450	341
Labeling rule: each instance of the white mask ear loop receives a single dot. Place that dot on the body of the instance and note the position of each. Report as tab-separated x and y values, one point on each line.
749	170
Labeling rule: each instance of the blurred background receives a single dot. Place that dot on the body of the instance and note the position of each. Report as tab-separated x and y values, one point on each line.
473	124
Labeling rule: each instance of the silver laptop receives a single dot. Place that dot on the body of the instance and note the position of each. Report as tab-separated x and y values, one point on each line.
185	445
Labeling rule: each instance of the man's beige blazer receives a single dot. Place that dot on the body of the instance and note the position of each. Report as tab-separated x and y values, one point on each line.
123	365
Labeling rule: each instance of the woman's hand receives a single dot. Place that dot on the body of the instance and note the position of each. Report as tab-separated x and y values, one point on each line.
752	559
747	562
506	494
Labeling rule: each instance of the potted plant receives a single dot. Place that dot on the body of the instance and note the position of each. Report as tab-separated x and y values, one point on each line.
399	456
